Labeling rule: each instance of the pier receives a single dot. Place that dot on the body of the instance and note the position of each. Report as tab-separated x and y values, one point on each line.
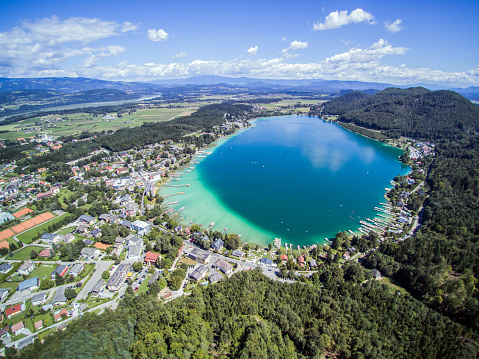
173	194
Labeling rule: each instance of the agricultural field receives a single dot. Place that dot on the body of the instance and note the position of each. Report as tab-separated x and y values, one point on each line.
74	124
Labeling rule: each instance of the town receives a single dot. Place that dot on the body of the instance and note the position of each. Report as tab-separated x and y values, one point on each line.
78	244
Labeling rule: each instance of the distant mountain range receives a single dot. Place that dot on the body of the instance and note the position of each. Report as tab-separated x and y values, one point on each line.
77	84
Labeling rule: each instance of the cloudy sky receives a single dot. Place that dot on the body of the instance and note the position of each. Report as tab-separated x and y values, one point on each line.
399	42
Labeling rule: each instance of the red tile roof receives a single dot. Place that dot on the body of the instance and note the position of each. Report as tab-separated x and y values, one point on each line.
151	257
13	310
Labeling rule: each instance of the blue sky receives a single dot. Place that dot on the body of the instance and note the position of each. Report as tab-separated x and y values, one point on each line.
399	42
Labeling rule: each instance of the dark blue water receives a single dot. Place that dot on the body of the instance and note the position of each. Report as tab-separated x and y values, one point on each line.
301	178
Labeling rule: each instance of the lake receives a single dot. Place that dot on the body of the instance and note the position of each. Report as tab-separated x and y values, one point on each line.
295	177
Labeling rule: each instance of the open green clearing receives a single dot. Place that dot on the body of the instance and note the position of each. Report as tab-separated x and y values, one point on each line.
24	253
80	122
42	271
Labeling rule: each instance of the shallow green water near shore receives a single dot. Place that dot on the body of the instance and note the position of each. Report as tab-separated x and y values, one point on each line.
298	178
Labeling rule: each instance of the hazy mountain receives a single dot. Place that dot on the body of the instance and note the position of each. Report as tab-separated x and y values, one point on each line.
73	84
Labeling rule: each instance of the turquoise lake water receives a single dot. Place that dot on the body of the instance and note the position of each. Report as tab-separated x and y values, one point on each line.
295	177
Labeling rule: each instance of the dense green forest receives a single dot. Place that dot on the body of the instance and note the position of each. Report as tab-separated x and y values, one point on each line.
250	316
440	264
415	112
202	120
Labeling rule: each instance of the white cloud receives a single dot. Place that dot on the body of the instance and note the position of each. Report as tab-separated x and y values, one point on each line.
393	26
49	42
336	19
294	46
157	35
278	68
283	39
252	50
179	55
378	50
111	50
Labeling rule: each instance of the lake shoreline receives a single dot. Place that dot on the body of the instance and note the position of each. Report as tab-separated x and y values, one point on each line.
256	236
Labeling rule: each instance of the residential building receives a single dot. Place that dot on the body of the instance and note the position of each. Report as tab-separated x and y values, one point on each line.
61	270
61	313
4	332
237	253
151	258
90	253
59	297
50	238
217	245
96	233
45	253
17	328
67	238
118	277
84	218
82	229
215	277
88	242
26	268
5	268
134	252
268	262
3	293
76	269
39	298
95	292
199	272
12	311
38	325
141	227
223	266
29	284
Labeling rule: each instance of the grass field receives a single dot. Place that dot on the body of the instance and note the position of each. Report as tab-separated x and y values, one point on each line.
81	121
27	236
24	253
42	271
144	285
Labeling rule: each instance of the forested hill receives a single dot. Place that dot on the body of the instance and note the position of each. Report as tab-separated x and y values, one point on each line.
250	316
414	112
31	100
202	120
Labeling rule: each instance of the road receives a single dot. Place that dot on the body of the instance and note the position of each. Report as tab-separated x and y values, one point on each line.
96	276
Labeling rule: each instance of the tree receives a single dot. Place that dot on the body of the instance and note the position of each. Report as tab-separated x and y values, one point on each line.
105	275
46	284
137	266
232	241
33	254
70	293
59	280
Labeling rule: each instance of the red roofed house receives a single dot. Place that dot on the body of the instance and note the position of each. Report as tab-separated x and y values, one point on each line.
18	328
301	261
151	258
13	311
38	324
45	253
58	316
284	257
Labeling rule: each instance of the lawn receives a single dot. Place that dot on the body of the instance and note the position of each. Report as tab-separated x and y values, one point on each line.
24	253
144	285
27	236
42	271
